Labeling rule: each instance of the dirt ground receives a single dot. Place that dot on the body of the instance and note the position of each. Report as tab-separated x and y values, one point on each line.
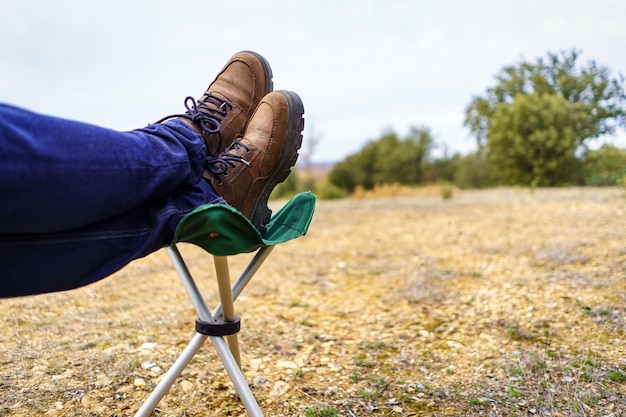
501	302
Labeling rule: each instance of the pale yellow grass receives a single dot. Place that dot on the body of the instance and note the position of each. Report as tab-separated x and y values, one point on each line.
496	302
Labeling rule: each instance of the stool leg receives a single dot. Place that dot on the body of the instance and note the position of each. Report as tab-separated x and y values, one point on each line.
189	284
229	362
170	377
246	275
237	378
226	298
232	368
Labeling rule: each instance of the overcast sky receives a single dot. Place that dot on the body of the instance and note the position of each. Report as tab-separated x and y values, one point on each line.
360	66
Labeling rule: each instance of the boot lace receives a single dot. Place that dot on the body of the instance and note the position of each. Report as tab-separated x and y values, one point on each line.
207	113
218	165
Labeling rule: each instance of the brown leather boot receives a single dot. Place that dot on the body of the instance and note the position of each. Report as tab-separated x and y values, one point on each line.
223	111
246	173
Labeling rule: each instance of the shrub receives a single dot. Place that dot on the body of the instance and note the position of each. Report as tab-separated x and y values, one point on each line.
606	166
325	190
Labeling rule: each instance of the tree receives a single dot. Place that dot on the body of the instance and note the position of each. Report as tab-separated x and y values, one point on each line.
534	140
584	101
387	160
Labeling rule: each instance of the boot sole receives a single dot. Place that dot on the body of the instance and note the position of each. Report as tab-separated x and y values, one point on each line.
261	213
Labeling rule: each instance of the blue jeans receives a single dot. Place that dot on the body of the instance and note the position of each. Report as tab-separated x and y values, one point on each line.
78	202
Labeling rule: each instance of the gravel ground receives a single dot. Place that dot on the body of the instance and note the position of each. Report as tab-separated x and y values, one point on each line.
498	302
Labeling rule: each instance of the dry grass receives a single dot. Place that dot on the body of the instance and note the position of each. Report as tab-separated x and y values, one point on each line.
498	303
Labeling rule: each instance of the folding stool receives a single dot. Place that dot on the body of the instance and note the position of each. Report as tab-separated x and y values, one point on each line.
223	231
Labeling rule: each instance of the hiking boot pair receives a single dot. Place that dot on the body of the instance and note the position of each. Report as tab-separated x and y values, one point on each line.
252	134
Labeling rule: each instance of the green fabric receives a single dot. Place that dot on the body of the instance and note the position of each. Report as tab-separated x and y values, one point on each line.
222	230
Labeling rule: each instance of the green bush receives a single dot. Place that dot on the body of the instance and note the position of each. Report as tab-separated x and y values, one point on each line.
473	171
606	166
294	184
387	160
325	190
446	190
288	188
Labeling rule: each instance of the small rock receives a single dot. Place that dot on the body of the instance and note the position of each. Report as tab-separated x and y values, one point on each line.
148	346
139	382
286	365
187	386
103	380
279	389
147	365
218	386
125	389
454	344
487	337
40	369
256	363
116	348
258	381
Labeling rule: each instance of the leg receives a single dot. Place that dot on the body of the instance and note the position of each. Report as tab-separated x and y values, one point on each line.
92	199
80	202
41	263
58	174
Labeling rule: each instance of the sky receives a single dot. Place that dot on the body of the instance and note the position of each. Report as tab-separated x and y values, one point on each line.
361	67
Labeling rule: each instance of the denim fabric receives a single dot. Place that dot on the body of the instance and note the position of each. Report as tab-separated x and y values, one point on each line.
78	202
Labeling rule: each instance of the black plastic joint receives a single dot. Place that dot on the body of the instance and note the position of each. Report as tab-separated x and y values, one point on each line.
219	328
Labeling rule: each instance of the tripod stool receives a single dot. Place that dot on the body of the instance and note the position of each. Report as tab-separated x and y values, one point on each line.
223	231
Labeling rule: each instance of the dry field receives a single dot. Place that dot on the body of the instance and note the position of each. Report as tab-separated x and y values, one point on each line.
497	303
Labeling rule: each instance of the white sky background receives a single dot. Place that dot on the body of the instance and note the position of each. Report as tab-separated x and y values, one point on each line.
360	66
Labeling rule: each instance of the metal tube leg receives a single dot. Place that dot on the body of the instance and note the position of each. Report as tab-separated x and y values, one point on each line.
234	372
189	284
231	364
168	379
